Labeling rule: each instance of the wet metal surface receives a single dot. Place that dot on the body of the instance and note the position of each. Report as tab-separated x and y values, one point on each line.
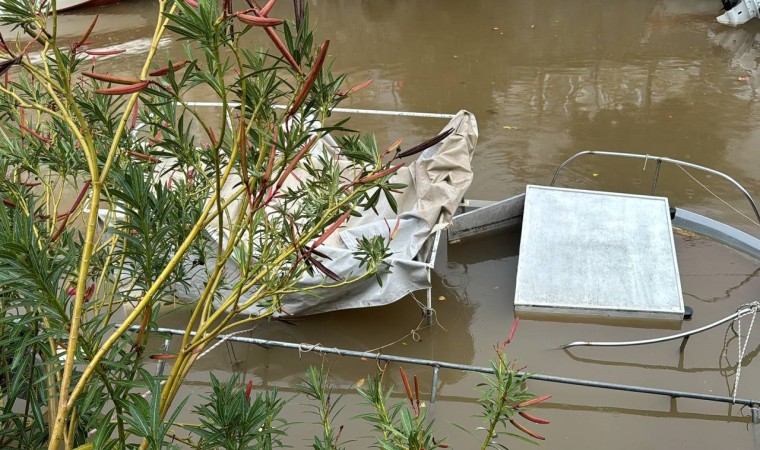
545	79
591	252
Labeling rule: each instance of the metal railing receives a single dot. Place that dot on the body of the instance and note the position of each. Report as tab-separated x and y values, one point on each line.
437	365
659	160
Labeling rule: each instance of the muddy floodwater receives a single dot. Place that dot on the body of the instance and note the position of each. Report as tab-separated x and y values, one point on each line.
545	80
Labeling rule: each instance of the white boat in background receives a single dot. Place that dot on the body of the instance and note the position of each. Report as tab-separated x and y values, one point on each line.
65	5
739	12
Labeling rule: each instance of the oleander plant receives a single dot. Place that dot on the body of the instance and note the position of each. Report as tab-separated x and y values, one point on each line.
110	185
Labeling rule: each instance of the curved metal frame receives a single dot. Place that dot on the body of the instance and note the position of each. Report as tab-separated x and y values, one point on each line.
660	160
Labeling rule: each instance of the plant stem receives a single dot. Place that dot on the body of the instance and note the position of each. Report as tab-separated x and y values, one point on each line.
64	404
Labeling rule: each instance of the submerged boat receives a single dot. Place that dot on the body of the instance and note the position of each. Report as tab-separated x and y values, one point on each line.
601	253
436	183
494	225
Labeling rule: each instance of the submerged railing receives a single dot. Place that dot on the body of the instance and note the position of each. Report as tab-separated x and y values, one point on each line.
437	365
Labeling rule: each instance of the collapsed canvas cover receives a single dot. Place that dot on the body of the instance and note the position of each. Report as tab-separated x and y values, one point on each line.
436	183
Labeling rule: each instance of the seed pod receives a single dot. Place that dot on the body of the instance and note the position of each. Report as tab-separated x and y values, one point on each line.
258	21
165	70
380	174
22	121
88	292
81	40
331	229
320	254
133	124
143	156
394	146
123	90
104	52
272	156
417	394
513	330
533	418
77	202
111	78
426	145
33	133
268	7
6	65
243	146
295	161
533	401
407	387
310	78
356	88
248	390
281	47
530	433
322	268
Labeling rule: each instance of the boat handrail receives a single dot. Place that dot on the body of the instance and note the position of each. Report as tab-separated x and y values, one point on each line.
659	160
378	112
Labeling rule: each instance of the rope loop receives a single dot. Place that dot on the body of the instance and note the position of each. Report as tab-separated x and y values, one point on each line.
747	309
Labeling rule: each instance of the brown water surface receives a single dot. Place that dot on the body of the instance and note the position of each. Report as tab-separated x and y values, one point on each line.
545	79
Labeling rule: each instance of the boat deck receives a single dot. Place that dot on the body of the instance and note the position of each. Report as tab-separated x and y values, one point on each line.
600	253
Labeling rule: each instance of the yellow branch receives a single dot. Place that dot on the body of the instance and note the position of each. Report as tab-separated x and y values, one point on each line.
160	28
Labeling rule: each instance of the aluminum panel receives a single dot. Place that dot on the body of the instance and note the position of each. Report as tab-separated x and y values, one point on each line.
595	252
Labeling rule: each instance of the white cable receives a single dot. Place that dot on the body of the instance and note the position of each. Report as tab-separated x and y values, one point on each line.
226	336
717	197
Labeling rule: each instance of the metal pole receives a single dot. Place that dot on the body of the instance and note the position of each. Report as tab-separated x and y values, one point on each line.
162	363
656	175
755	412
446	365
661	159
377	112
741	312
434	388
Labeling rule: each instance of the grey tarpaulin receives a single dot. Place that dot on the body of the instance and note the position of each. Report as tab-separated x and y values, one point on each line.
436	183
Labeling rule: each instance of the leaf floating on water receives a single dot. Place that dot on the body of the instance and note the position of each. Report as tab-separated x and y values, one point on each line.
509	127
441	298
360	383
594	174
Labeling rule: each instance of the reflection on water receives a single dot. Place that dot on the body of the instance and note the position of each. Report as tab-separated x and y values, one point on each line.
545	79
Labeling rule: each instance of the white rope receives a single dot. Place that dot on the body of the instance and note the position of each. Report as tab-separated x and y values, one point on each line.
742	347
718	197
226	336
